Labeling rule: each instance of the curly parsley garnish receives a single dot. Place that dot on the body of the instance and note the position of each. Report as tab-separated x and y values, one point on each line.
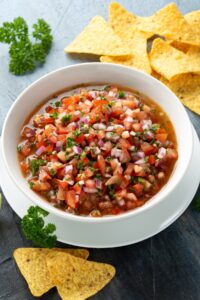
34	228
26	54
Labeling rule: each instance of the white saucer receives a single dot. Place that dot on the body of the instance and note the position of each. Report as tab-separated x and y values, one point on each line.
140	228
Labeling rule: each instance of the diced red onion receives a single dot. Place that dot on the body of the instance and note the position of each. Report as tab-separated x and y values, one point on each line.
162	152
30	133
111	94
121	202
108	175
98	184
99	126
146	124
40	150
140	154
68	169
77	149
92	94
70	182
116	152
90	190
59	143
140	161
100	143
128	119
110	128
84	120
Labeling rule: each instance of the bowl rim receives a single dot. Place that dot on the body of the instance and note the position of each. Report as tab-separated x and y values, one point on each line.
37	200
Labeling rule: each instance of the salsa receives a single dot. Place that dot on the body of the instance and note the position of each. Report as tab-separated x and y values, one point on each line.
97	150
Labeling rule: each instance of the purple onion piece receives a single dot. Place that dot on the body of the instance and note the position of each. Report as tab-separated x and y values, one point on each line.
40	150
77	150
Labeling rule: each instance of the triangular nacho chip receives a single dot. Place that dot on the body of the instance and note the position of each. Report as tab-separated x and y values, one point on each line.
187	89
98	38
193	18
75	278
170	62
169	22
32	264
123	24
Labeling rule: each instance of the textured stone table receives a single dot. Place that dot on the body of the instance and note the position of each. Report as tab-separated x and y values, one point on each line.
165	267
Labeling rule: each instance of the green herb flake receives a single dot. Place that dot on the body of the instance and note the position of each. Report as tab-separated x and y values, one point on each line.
98	176
52	172
34	228
35	164
121	94
111	191
109	158
31	184
66	119
77	133
57	104
54	115
154	127
141	180
80	165
106	88
19	148
70	142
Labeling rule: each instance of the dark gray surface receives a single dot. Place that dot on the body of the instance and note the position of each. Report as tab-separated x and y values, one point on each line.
164	267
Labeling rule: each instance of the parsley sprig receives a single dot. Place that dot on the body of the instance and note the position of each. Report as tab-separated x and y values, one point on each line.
26	53
34	228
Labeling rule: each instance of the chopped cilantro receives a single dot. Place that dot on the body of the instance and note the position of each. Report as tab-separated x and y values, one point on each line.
154	127
106	88
80	165
109	158
111	103
54	115
70	142
102	97
141	180
121	94
83	154
133	179
31	184
66	119
19	148
57	103
77	133
91	163
35	164
52	172
111	191
98	176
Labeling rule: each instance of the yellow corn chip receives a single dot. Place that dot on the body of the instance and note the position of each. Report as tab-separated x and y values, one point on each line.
75	278
32	264
187	89
169	22
123	24
193	18
170	62
98	38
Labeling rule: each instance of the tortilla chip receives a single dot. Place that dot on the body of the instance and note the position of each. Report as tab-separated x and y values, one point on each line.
98	38
76	278
32	264
187	89
170	62
193	18
123	24
181	46
169	22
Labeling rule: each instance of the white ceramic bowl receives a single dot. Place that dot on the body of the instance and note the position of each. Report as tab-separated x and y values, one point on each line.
96	73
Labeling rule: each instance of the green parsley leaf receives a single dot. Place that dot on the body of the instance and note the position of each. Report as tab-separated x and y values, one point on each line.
197	202
80	165
34	228
66	119
98	176
77	133
111	191
121	94
106	88
57	103
154	127
109	158
70	142
25	55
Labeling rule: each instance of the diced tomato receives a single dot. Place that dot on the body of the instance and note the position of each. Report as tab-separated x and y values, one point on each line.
90	138
88	173
130	168
124	144
24	167
49	148
70	101
70	199
116	111
101	164
116	211
48	120
148	148
137	127
138	189
25	149
61	193
62	129
89	97
161	137
142	115
101	134
39	186
116	179
151	159
80	139
85	160
99	102
160	130
62	137
77	188
172	153
61	183
90	183
129	103
125	156
124	183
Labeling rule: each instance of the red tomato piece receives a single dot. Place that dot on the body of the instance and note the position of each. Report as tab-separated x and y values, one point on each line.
101	164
